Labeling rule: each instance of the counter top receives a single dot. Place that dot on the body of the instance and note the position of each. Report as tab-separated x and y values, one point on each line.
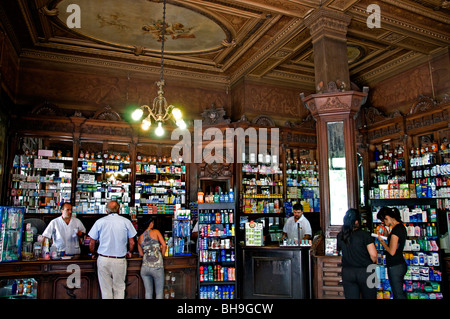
276	247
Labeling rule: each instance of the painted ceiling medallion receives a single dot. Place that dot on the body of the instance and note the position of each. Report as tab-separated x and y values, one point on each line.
117	23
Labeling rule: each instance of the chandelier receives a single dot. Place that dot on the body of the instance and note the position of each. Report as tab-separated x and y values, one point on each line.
160	112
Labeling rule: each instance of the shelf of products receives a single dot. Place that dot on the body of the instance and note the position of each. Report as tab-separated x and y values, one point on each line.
423	279
217	251
262	185
302	181
389	173
181	233
101	177
40	181
160	184
23	288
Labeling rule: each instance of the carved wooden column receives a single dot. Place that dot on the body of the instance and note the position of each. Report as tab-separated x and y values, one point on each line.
334	108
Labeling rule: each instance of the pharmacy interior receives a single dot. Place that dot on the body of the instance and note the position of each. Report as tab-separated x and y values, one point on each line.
221	191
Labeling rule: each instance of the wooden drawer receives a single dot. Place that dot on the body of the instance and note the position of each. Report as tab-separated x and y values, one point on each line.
328	277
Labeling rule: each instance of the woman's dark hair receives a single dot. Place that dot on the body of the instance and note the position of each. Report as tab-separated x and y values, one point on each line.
351	217
393	212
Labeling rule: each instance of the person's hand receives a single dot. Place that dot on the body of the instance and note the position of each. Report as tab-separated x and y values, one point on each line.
128	255
381	239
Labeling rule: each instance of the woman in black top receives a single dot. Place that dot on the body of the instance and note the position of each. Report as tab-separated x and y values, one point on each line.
358	253
395	262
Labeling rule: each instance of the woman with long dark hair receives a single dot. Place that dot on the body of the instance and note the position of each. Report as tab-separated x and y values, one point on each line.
358	253
395	262
152	247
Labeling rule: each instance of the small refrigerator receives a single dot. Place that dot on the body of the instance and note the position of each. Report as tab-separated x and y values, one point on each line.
11	233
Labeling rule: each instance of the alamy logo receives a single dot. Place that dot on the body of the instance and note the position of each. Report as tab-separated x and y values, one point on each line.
374	18
213	152
74	279
74	19
373	281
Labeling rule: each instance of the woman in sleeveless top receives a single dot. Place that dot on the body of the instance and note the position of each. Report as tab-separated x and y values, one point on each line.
151	247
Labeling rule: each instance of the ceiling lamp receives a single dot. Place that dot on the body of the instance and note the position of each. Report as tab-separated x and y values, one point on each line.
160	112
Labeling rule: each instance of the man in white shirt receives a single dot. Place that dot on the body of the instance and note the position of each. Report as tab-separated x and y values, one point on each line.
114	233
296	223
65	231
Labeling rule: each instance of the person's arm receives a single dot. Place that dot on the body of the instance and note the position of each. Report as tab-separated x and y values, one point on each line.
308	230
162	242
372	252
393	243
140	250
92	243
81	229
130	246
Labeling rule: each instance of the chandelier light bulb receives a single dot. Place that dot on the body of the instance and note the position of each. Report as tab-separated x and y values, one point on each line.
159	130
137	114
176	114
146	123
181	124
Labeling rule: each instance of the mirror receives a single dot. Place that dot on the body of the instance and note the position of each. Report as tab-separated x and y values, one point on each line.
337	172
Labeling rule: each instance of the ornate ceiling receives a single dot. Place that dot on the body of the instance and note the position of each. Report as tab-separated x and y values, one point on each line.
222	41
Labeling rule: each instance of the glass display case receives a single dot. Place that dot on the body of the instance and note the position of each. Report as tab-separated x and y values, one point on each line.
11	233
41	175
20	288
102	176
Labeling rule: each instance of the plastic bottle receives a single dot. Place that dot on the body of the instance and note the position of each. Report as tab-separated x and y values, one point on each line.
29	287
200	196
201	273
433	230
210	273
170	247
20	288
216	198
231	196
171	293
14	288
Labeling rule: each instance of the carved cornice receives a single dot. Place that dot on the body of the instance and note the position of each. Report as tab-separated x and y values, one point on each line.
425	115
332	103
324	21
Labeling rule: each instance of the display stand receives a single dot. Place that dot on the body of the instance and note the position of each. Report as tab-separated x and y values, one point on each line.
217	251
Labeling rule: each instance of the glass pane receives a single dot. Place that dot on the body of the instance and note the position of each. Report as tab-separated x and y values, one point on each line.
337	172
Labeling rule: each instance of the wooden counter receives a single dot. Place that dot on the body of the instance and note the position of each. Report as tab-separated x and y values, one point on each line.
52	277
328	277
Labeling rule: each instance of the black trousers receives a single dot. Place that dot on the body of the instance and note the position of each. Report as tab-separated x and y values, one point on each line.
356	284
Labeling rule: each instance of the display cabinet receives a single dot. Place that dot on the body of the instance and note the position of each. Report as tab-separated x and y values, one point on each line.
41	175
103	174
217	251
11	226
20	288
181	232
302	180
160	181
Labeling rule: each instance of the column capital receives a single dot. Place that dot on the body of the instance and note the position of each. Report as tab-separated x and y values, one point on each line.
325	21
348	102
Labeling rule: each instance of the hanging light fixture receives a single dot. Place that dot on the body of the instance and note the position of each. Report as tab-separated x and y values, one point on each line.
160	112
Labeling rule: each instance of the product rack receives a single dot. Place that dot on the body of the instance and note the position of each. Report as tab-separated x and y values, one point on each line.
217	251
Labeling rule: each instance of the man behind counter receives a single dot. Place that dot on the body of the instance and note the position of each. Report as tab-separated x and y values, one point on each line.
65	231
295	222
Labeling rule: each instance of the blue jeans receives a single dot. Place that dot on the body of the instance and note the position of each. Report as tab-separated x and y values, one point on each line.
150	275
396	274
